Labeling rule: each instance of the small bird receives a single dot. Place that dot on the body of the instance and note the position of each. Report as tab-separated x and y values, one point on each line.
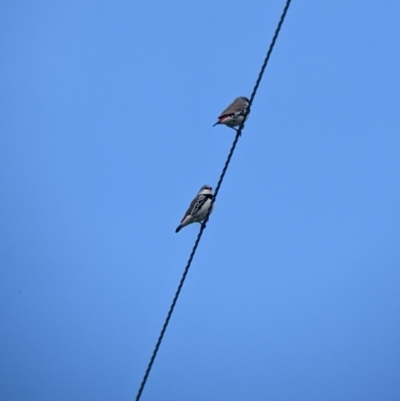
199	207
234	114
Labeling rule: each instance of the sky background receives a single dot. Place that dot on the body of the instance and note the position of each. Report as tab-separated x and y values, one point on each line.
106	135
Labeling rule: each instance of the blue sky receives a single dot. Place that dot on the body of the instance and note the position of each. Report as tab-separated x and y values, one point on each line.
106	119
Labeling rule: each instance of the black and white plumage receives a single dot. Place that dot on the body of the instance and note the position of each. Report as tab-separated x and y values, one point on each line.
234	114
199	207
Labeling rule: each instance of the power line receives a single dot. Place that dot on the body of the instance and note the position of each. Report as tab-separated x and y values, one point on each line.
203	225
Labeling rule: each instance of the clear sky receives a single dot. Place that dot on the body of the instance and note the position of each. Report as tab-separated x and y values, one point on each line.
106	135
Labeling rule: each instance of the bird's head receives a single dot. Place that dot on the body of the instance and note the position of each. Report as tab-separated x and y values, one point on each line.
244	99
205	189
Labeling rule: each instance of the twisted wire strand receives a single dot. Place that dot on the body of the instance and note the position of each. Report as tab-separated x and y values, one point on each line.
217	188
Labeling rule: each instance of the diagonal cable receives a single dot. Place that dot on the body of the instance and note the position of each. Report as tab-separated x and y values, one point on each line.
203	226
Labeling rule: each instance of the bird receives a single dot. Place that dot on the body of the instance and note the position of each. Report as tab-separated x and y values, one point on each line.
199	207
234	114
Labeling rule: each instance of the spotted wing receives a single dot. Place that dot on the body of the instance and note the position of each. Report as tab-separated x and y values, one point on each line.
196	205
237	108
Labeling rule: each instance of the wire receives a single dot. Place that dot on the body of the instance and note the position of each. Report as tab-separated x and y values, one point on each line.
203	225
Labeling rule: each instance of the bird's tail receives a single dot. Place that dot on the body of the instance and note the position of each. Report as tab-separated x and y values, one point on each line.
178	228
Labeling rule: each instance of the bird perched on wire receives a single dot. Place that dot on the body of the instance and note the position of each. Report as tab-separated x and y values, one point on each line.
234	114
199	207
